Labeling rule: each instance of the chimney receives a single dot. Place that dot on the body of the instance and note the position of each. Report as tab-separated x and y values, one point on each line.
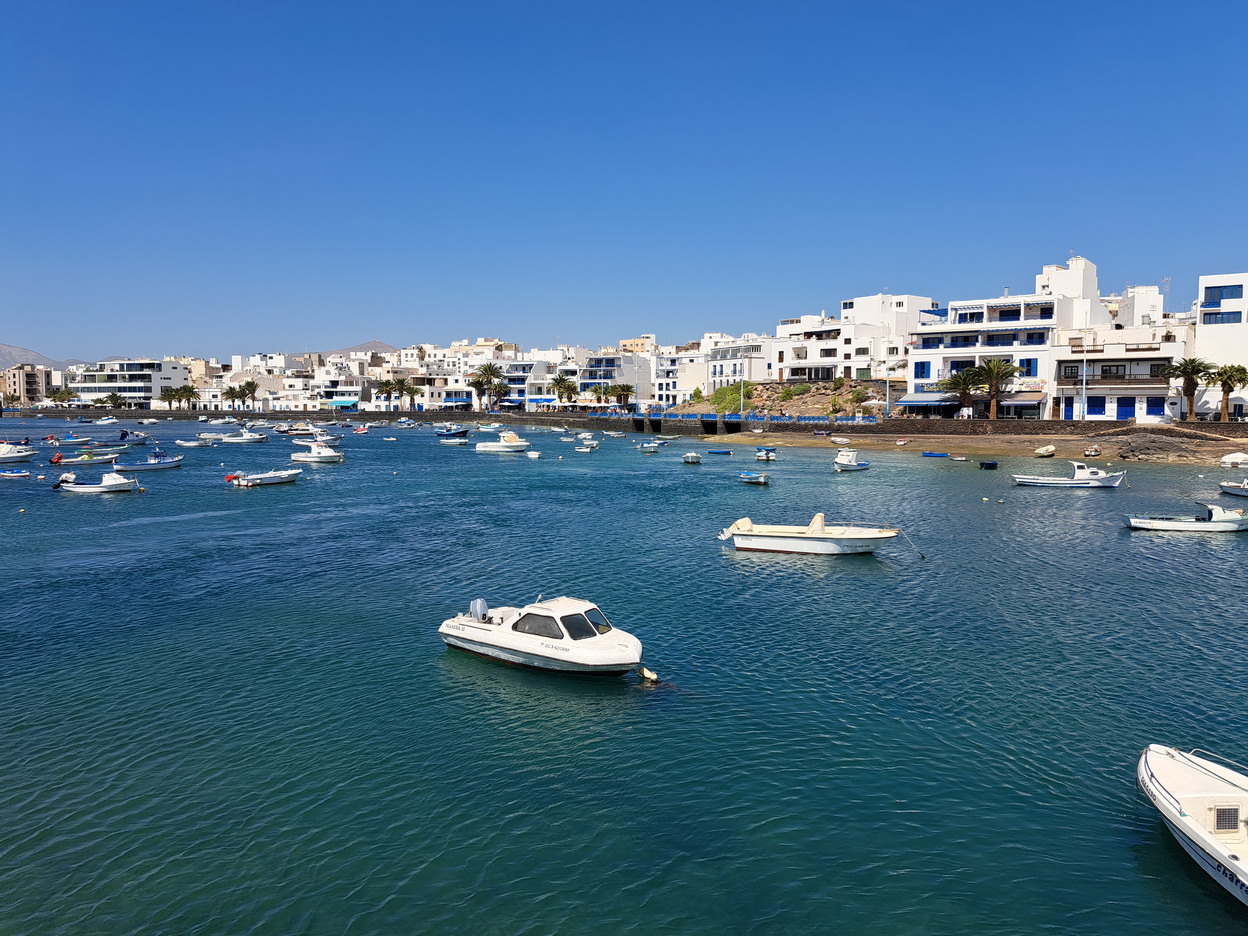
1007	291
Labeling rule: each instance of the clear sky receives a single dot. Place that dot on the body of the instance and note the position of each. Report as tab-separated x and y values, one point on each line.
235	176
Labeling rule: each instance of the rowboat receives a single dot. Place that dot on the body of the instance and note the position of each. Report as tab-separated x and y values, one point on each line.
752	477
816	538
279	476
111	483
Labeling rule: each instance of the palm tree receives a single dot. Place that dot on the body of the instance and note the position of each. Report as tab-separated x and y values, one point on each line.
61	396
399	387
385	388
169	396
485	380
188	393
965	383
563	387
992	374
621	393
1191	371
231	395
412	391
1229	377
598	392
249	390
114	401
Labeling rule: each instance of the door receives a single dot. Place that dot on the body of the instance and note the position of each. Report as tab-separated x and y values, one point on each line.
1126	407
1068	407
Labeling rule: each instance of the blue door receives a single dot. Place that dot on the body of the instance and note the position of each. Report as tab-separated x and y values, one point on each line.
1068	407
1126	407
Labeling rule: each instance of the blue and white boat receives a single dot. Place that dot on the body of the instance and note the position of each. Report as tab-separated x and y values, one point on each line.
155	460
753	477
1203	800
847	460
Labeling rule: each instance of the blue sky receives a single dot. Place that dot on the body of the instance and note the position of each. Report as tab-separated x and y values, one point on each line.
239	175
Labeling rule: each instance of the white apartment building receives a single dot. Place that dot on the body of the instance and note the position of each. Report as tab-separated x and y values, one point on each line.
730	360
138	381
1220	313
678	371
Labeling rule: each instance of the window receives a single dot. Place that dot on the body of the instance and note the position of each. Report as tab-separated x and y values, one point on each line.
963	341
599	620
1113	370
539	625
931	342
827	352
849	340
862	352
578	626
1227	819
899	304
893	352
1034	338
1070	370
1046	313
1215	294
1096	406
1009	316
1029	365
847	305
1155	406
922	370
959	366
862	373
1222	318
970	316
847	357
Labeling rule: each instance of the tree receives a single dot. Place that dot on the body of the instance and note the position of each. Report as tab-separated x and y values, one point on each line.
412	391
993	373
621	393
249	390
1191	371
399	387
485	380
11	399
563	387
60	396
169	396
1229	377
188	393
385	388
965	383
231	395
114	401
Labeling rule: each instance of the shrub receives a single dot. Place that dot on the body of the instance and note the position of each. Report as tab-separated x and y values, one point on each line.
790	392
838	383
728	399
697	395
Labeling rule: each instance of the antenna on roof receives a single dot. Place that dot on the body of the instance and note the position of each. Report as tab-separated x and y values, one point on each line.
1165	285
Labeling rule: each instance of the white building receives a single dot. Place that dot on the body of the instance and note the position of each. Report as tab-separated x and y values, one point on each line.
1220	313
138	382
731	360
678	371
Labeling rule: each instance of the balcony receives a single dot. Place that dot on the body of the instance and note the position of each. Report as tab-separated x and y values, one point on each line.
1115	380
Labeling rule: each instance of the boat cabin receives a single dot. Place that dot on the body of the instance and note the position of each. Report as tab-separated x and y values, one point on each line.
554	619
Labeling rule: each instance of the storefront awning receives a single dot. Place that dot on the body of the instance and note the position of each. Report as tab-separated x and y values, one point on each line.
926	399
1026	398
342	402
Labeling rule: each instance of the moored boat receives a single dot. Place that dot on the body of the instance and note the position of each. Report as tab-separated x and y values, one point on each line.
261	479
753	477
1239	488
318	454
691	458
508	442
12	473
111	483
1203	801
244	437
563	634
1045	451
847	460
193	443
154	461
816	538
1083	477
85	458
16	453
1214	519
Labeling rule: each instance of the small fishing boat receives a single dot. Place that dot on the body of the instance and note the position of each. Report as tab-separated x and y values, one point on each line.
816	538
719	451
838	440
1045	451
451	431
903	441
1234	460
454	440
532	454
193	443
847	460
155	460
583	449
764	456
1083	477
278	476
566	635
752	477
360	430
16	453
508	443
1092	451
611	433
317	454
650	446
668	438
1214	519
490	427
1239	488
1203	801
389	439
935	454
15	473
111	483
86	458
243	437
957	458
151	422
988	465
691	458
106	420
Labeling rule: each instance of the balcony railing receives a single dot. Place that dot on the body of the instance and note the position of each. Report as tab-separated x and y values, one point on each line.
1106	380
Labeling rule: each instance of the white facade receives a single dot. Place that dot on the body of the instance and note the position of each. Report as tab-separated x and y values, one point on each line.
731	360
1221	316
138	381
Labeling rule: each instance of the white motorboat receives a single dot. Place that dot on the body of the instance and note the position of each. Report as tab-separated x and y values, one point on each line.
12	473
764	455
455	440
211	436
841	440
613	434
847	460
583	449
106	421
318	454
753	477
489	427
16	453
83	458
1092	451
1215	519
155	460
1045	451
244	436
193	443
324	438
532	454
1083	477
279	476
151	422
507	442
1234	460
563	634
691	458
1203	801
111	483
1239	488
816	538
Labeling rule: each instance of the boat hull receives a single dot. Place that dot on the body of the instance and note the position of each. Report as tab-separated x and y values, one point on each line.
1187	524
809	545
1234	487
175	462
533	661
1029	481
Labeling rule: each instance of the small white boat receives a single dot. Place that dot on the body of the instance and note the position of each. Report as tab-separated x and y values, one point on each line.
106	421
957	458
847	460
611	433
111	483
1045	451
765	453
454	440
1203	801
1092	451
201	419
691	458
317	454
83	458
390	439
816	538
1234	460
324	438
193	443
211	436
489	427
903	441
533	454
1084	477
12	473
151	422
16	453
583	449
279	476
651	446
155	460
1215	519
244	436
1239	488
752	477
563	634
508	442
667	438
841	440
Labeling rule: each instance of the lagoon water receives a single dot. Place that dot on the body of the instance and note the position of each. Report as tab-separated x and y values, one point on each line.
228	711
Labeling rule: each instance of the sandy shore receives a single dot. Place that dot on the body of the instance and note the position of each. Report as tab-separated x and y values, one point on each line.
1204	452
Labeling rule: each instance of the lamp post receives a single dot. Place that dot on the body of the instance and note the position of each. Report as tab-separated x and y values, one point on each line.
1083	406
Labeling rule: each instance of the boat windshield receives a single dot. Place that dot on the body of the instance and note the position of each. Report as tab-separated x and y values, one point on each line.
539	625
578	626
599	620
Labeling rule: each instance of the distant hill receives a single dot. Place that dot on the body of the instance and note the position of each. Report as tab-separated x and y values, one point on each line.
374	345
12	355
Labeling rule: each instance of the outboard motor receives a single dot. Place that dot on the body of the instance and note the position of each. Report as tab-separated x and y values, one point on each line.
479	610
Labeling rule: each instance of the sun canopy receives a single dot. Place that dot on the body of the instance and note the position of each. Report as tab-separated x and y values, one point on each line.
926	399
1027	398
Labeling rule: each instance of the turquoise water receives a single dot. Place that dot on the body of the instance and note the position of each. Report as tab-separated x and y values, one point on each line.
228	711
